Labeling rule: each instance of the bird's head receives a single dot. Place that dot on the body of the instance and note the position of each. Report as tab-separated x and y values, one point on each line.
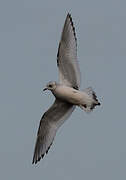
50	86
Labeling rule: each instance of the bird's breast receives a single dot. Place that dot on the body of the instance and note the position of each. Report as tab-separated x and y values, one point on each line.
68	94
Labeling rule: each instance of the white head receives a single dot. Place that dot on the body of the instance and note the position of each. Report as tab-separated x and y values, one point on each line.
50	86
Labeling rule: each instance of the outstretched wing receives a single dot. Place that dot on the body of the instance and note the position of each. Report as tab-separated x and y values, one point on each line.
69	72
50	122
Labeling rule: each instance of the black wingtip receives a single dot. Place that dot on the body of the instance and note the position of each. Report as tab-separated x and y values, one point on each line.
33	161
72	24
41	157
37	160
69	14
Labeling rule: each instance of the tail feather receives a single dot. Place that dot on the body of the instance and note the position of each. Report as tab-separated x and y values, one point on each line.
94	101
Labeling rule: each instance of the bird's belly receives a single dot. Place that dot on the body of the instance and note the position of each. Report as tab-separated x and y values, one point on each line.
69	94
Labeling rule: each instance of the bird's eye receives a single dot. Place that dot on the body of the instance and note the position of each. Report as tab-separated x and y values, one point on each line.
50	86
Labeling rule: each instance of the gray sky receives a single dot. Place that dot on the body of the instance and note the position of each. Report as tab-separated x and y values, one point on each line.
87	146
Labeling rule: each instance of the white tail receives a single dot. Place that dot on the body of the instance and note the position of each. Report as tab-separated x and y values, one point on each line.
92	102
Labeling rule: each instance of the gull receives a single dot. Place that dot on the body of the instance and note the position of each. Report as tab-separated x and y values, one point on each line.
67	92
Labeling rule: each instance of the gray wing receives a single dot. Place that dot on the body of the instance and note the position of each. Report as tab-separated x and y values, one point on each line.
50	122
69	72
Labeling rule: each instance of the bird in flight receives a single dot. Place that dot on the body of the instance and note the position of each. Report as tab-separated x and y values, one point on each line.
66	92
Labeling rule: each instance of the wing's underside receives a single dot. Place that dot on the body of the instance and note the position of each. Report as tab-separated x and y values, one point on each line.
50	122
69	72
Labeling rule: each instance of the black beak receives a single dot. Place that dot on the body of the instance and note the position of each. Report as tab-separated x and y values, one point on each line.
45	89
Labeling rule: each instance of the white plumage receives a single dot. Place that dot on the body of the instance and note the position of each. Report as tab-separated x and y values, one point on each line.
66	92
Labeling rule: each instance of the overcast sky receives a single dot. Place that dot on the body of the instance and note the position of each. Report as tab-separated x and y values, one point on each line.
88	146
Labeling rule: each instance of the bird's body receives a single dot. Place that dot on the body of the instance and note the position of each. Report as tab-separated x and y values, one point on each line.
73	96
67	92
